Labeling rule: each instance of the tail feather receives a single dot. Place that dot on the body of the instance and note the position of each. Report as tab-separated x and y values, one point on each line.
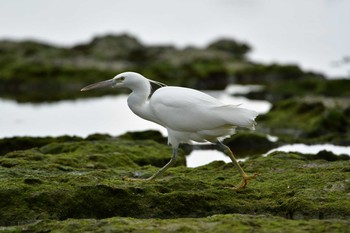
239	116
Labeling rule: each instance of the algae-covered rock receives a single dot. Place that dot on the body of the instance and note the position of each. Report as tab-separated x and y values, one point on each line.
60	180
35	72
247	143
22	143
84	179
287	81
309	120
101	47
230	46
145	135
212	224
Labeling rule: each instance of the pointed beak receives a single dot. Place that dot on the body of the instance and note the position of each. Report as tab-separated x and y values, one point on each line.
107	83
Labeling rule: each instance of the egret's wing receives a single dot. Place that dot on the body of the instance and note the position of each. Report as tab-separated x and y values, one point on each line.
185	109
238	116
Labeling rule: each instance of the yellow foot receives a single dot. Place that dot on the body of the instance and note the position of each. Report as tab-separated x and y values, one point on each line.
245	181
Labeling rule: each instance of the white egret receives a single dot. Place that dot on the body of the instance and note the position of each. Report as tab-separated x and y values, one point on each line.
187	114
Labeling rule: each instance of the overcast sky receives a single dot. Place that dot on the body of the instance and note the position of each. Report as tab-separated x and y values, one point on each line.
312	33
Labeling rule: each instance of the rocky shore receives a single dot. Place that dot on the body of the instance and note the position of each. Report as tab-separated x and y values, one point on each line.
32	71
74	184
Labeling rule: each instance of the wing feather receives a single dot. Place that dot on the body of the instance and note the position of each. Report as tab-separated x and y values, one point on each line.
185	109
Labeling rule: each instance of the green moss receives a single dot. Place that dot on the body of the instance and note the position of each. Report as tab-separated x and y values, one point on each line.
294	114
287	81
22	143
84	180
307	121
35	72
230	46
37	183
216	223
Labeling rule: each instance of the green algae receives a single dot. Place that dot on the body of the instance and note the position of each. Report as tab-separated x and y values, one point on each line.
25	142
22	143
36	72
36	183
84	180
308	120
282	82
216	223
89	154
31	71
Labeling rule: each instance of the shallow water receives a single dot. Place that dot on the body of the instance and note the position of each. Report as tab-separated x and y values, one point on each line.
202	157
109	115
312	149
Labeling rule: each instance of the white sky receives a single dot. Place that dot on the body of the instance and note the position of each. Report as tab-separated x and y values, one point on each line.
311	33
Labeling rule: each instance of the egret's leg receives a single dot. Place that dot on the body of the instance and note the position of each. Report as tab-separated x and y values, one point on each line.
161	171
245	177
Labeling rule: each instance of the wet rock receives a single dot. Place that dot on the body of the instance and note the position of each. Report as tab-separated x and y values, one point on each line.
212	224
84	179
307	121
37	72
270	74
100	47
145	135
289	84
244	144
22	143
329	156
239	50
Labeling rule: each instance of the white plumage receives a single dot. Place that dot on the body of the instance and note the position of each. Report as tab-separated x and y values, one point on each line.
187	114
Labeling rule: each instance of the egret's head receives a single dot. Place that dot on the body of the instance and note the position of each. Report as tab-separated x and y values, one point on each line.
126	79
129	80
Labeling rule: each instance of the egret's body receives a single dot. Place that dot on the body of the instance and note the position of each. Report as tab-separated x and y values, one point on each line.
187	114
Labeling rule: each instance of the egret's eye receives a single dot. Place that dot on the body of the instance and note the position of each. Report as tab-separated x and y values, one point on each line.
122	78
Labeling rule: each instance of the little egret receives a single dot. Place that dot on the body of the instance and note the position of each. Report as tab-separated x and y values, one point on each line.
187	114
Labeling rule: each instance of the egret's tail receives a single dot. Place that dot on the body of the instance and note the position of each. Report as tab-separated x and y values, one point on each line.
240	117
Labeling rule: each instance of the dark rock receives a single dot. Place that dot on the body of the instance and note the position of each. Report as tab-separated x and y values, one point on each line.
307	121
233	47
22	143
244	144
145	135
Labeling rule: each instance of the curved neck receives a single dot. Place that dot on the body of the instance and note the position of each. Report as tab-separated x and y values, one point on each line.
138	100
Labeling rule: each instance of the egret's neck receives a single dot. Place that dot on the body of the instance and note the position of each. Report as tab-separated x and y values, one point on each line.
138	100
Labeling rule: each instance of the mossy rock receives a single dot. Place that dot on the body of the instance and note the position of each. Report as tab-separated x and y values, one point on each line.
111	153
307	121
85	180
217	223
34	72
282	82
22	143
145	135
245	143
